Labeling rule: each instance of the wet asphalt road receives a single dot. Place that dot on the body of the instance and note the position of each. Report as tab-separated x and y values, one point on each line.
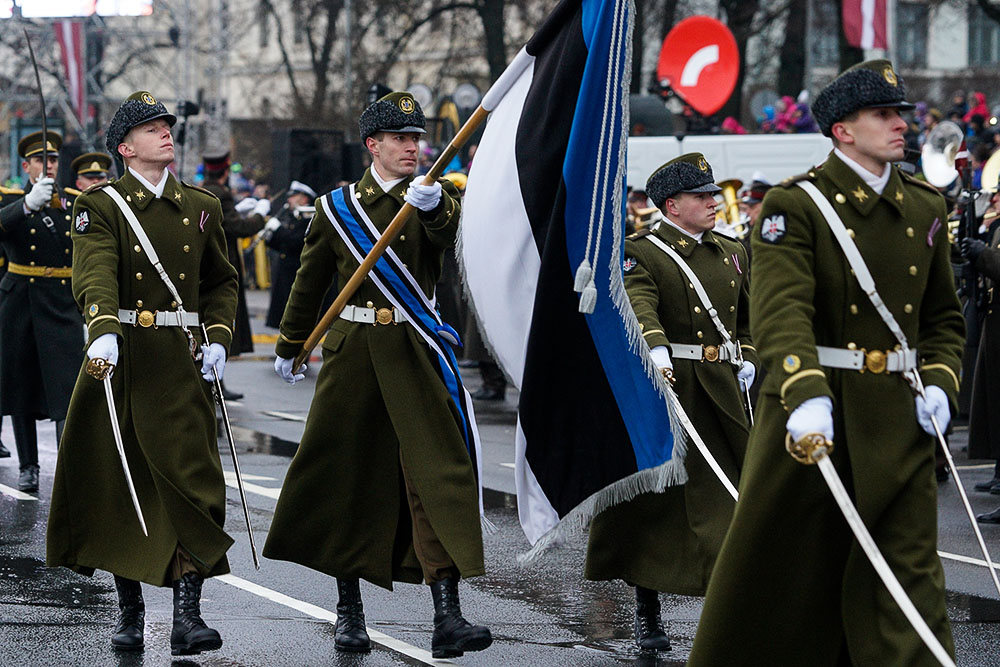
543	614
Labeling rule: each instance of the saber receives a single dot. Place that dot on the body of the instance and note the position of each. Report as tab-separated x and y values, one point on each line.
217	391
45	127
102	369
743	383
918	386
815	448
698	442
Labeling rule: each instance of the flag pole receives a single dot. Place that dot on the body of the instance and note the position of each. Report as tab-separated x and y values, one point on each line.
492	97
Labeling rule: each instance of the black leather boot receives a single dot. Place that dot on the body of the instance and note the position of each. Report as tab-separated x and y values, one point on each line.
351	635
190	634
453	635
649	634
131	616
27	480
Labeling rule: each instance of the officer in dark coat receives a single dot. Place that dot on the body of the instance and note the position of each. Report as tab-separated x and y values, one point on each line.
162	395
5	192
237	227
792	585
382	486
984	417
285	234
667	542
41	332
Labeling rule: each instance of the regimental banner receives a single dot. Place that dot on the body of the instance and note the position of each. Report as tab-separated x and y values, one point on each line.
866	23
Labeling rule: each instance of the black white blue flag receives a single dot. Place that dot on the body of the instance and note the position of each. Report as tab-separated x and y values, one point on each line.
541	247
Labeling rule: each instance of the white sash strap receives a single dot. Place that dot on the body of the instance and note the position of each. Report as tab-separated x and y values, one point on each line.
727	341
855	259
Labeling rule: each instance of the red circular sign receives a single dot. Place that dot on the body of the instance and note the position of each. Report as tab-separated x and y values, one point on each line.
699	61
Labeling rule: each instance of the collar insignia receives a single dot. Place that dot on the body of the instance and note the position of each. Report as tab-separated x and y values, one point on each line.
177	196
899	196
682	243
860	194
369	191
140	195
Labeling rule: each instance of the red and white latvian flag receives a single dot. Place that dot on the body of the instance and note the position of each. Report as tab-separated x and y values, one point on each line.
69	34
866	23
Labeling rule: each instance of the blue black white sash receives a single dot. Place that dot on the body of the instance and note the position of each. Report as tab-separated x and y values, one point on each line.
399	286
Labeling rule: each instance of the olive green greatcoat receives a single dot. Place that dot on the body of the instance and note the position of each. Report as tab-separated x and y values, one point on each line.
984	413
380	407
164	406
669	541
792	586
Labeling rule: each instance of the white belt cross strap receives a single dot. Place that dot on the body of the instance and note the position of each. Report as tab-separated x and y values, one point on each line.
160	318
372	316
855	259
727	341
147	246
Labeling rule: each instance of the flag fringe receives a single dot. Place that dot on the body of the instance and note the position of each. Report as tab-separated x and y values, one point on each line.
650	480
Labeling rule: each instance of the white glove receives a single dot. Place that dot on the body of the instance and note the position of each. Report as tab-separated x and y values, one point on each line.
661	357
747	374
272	224
104	346
812	416
262	208
213	356
246	205
40	195
283	367
936	405
424	197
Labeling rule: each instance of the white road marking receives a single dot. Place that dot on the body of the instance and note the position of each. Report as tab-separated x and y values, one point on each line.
327	615
250	487
287	416
253	478
981	466
507	465
14	493
966	559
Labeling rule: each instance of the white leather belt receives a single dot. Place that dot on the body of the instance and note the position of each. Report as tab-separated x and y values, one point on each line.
709	353
159	318
873	361
372	316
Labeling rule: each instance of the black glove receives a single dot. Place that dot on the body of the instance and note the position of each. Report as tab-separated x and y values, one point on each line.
972	249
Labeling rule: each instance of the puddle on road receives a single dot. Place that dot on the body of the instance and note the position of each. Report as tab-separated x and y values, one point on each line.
27	581
262	443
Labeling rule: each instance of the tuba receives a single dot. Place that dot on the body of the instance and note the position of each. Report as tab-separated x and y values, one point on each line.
728	216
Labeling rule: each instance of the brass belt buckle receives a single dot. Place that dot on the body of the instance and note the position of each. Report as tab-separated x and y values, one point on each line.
48	271
876	361
145	318
383	316
711	353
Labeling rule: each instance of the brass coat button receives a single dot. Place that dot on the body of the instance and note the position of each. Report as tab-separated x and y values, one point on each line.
137	248
732	283
186	221
850	232
854	309
909	232
732	309
852	346
138	304
187	248
32	248
840	198
138	276
907	308
700	335
402	237
181	276
913	270
32	230
697	309
725	260
31	280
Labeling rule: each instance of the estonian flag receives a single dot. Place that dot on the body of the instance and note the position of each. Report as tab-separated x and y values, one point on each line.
542	222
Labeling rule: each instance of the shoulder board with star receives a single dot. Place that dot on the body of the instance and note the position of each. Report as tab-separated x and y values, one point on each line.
95	187
792	180
642	233
73	192
14	192
908	178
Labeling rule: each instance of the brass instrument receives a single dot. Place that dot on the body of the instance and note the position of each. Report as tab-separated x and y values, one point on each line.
728	215
644	217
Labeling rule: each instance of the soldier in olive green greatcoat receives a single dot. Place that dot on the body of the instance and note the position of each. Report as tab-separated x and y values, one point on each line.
165	410
382	486
792	585
40	326
668	541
